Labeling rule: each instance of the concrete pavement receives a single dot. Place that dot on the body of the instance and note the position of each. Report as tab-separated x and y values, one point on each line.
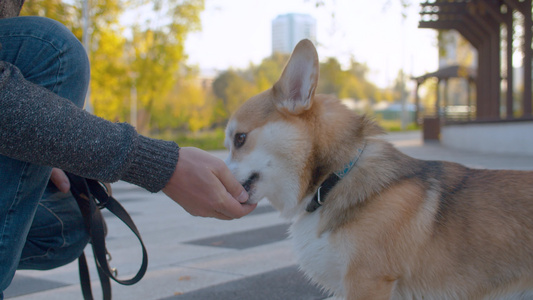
197	258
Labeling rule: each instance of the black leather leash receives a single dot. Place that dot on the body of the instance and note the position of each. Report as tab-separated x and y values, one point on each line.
91	197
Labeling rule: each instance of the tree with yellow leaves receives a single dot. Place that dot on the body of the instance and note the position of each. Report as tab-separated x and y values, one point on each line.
146	58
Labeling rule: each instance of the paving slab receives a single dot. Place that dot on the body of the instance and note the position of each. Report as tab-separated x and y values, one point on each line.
246	239
254	287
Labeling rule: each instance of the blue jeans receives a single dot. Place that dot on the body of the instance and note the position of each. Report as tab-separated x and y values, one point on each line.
40	227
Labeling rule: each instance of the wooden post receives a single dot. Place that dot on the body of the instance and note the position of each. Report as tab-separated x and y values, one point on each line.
528	23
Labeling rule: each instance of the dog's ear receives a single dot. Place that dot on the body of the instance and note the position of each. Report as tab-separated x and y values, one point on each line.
294	91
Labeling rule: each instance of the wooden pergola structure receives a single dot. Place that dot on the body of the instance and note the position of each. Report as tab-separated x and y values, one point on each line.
445	74
480	22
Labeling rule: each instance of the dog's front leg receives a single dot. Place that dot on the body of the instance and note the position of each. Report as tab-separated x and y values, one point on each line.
364	285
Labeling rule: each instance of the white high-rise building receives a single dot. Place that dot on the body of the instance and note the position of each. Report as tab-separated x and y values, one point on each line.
289	29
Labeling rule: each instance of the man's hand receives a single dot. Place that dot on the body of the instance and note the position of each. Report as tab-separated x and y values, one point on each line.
60	179
204	186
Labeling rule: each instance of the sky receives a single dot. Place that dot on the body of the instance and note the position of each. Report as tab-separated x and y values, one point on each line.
236	33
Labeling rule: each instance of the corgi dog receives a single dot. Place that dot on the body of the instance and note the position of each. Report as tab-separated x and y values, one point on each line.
367	221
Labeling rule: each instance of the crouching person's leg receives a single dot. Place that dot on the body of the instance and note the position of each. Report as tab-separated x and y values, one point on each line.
22	185
49	55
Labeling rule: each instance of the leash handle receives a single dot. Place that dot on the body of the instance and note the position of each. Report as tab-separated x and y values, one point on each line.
99	248
91	197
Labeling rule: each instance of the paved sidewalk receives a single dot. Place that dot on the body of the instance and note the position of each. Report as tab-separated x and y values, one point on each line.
197	258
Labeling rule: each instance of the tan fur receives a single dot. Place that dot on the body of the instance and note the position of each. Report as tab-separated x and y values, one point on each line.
397	227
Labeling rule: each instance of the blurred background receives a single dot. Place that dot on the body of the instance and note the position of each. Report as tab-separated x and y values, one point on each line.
177	69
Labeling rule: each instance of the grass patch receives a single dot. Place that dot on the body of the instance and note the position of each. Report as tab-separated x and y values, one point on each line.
396	125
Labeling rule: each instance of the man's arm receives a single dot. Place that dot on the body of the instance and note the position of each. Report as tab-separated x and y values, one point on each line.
40	127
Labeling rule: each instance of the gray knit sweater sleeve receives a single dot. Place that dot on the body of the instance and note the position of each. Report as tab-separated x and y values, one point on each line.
40	127
10	8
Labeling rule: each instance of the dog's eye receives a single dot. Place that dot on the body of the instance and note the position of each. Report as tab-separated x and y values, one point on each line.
239	140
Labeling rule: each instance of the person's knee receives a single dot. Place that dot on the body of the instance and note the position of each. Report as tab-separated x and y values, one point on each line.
52	56
52	31
72	54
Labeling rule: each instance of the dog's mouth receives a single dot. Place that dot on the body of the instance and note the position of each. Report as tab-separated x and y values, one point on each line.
249	183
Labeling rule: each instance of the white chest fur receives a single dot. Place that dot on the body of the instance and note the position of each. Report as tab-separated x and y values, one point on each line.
320	257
